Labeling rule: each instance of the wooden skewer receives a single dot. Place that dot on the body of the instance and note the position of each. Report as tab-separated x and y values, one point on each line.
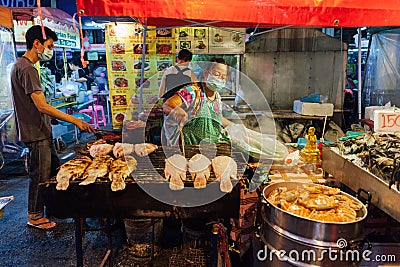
183	142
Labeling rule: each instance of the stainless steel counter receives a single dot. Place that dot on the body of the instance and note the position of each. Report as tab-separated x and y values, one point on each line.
388	200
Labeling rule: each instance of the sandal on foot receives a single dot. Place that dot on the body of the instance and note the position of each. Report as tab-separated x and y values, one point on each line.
42	223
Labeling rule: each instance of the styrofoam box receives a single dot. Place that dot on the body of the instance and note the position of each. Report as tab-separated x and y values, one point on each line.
369	111
313	109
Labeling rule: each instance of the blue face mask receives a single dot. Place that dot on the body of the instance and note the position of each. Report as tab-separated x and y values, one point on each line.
215	84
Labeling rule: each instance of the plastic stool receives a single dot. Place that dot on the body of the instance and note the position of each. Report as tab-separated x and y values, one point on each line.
101	118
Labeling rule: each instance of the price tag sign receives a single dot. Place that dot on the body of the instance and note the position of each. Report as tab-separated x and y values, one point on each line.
386	121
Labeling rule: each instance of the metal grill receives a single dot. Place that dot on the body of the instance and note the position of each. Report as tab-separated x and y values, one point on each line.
149	169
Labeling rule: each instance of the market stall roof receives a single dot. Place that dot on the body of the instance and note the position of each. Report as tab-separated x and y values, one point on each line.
59	21
6	17
249	13
51	14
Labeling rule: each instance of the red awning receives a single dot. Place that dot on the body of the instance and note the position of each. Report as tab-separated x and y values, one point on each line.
249	13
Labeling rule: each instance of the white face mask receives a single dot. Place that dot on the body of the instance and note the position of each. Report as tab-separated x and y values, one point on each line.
214	83
46	55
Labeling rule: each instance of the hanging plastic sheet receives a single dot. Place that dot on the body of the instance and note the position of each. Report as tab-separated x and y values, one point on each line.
7	59
382	72
249	13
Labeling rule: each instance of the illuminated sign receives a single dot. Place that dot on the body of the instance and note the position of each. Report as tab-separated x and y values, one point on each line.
18	3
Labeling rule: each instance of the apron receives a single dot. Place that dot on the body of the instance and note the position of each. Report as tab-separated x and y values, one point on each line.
206	126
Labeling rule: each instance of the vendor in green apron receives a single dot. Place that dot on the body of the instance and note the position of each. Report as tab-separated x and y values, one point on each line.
196	110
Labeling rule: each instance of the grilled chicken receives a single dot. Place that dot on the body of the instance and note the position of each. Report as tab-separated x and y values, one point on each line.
225	168
122	149
119	170
100	150
199	167
98	168
175	171
72	169
145	149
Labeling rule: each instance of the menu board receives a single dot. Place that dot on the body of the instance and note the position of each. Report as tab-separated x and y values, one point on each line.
124	63
205	40
193	39
226	42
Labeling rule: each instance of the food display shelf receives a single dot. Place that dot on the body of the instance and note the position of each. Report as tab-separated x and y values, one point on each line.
355	177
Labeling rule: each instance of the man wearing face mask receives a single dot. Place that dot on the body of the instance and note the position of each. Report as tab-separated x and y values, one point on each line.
32	114
196	110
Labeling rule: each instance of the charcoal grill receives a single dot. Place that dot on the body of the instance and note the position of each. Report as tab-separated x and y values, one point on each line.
97	200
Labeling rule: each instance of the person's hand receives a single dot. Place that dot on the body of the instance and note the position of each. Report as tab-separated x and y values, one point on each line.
179	115
84	126
72	79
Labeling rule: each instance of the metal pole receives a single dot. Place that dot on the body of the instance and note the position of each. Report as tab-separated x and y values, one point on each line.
142	67
78	241
65	64
359	74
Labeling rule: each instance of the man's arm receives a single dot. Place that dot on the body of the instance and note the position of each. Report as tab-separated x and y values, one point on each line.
39	100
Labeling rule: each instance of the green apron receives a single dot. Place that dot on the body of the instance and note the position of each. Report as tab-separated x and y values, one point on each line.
205	127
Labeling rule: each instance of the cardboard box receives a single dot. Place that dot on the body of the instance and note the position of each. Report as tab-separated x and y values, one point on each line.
313	109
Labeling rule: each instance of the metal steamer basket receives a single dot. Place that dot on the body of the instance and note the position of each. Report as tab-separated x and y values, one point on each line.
300	241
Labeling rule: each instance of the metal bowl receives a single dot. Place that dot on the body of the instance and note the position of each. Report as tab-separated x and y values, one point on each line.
244	108
309	228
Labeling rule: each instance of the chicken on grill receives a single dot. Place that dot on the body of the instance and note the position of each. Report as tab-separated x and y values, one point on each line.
175	171
120	169
98	168
199	167
225	168
145	149
100	150
122	149
72	169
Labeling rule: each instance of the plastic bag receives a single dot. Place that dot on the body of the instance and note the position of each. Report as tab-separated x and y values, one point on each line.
258	145
293	158
69	88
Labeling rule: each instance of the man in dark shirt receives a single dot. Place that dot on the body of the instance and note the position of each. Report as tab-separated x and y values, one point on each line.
32	115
